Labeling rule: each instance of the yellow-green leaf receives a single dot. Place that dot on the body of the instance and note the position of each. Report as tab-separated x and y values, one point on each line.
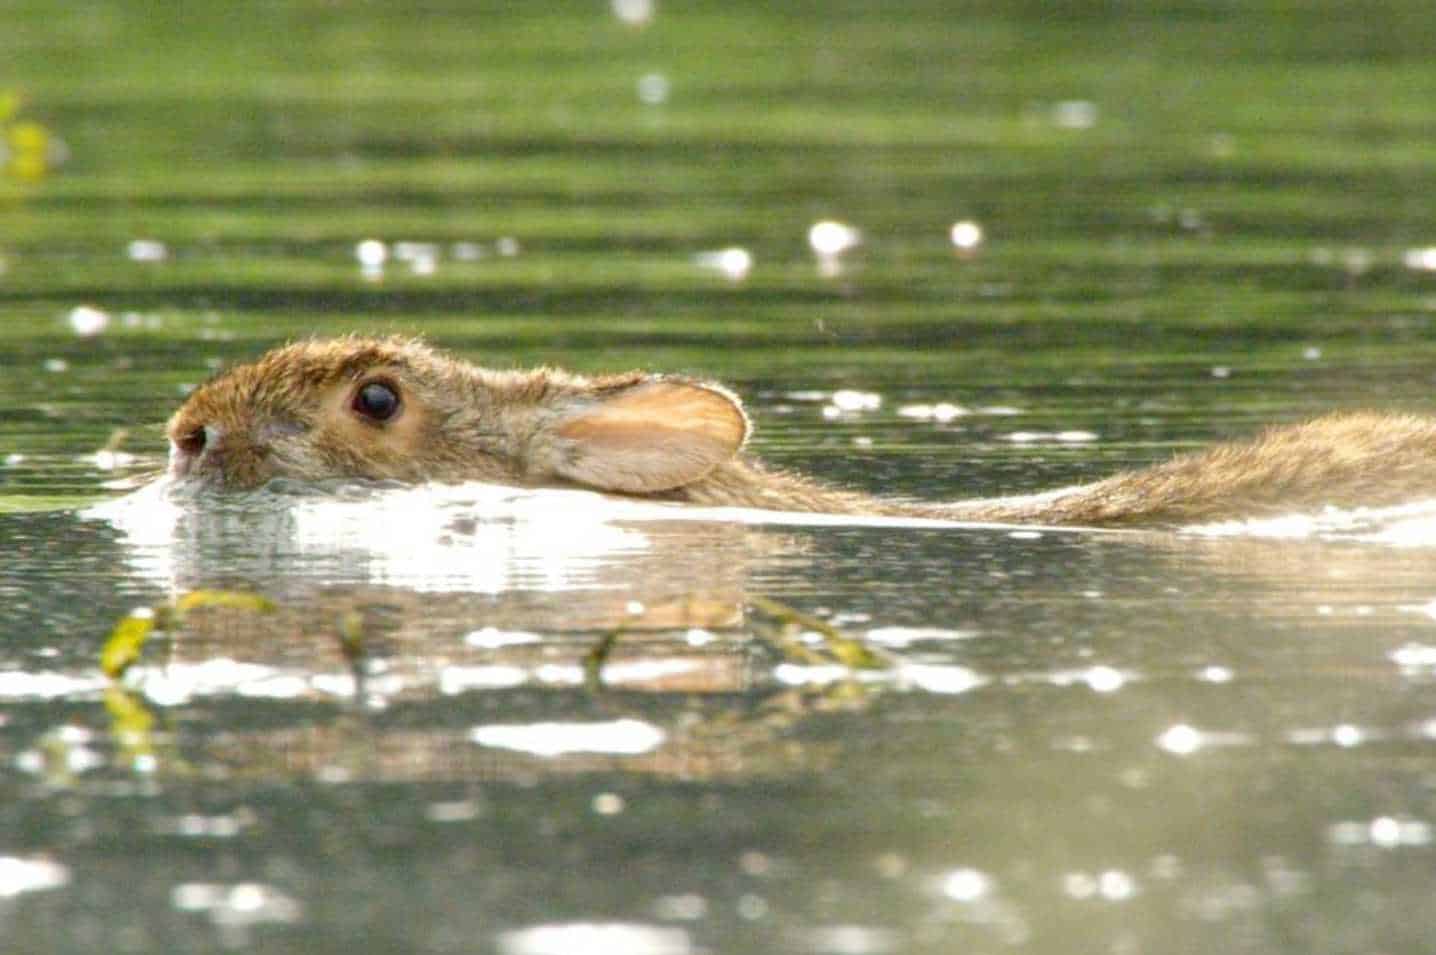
234	599
126	642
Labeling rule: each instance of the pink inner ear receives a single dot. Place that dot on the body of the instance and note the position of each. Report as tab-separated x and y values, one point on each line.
652	437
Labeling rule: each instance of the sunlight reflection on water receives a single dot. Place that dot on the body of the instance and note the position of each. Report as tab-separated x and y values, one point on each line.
621	737
19	874
597	938
423	538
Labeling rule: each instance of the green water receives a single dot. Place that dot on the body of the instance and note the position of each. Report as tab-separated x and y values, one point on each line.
1194	218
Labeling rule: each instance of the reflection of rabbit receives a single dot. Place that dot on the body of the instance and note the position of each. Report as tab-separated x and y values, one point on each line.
391	408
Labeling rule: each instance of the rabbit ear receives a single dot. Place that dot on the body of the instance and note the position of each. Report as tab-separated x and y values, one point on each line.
658	434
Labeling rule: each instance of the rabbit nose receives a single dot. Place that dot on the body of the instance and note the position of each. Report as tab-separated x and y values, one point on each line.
187	449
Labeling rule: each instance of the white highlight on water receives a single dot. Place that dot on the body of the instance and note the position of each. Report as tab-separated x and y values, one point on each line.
733	263
20	875
625	737
965	235
829	237
147	250
634	12
596	938
88	321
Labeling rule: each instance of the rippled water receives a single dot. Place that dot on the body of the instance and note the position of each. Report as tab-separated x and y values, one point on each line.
941	251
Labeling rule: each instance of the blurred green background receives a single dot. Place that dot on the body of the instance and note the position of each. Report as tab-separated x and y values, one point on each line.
1161	189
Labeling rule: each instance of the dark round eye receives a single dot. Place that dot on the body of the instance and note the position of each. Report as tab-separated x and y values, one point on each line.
192	442
377	401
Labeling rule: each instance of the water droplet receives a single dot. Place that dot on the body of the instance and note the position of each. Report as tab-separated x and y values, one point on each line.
1075	114
752	907
1183	740
1116	886
466	251
371	253
634	12
1422	260
147	250
829	238
734	263
1347	735
966	885
608	804
88	321
653	89
849	400
966	235
1105	679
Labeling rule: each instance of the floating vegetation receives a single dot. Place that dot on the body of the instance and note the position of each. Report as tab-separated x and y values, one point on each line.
798	637
352	636
132	729
597	656
29	151
806	639
127	640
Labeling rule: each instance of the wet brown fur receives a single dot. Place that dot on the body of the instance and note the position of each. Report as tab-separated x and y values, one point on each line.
287	415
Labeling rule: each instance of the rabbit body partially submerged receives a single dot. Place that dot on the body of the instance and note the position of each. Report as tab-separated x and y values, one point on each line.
397	409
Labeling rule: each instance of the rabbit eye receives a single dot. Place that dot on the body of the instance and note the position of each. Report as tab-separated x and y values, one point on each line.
376	401
192	442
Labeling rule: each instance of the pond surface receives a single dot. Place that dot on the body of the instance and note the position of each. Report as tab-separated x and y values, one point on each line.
1175	225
